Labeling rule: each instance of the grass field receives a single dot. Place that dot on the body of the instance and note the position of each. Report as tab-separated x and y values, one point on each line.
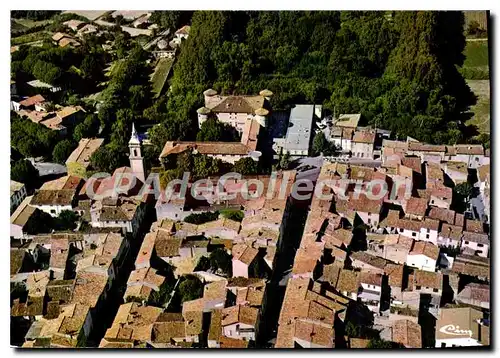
36	36
476	54
476	64
31	23
160	75
481	110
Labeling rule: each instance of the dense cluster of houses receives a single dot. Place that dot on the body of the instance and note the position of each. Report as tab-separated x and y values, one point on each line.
232	303
59	285
401	256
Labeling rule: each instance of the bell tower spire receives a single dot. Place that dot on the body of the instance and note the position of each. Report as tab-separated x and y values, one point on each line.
135	156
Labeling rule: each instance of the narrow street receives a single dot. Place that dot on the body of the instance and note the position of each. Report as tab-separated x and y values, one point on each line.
107	312
284	262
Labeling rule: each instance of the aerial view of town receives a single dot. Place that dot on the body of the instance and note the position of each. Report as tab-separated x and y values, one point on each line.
249	179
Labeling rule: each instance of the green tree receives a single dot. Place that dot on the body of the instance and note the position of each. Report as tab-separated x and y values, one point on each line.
202	218
108	158
246	166
464	189
213	130
24	172
39	223
236	215
379	343
191	288
221	260
67	220
320	144
62	150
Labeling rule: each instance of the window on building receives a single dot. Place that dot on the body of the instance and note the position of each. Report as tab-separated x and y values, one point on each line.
428	230
369	221
480	245
432	201
52	211
427	236
466	242
435	290
443	345
413	234
362	155
419	287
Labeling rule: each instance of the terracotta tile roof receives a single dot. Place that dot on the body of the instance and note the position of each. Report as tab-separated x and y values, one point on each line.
315	333
402	242
193	322
442	192
370	278
245	282
371	260
412	162
133	321
348	281
240	314
89	287
244	253
216	290
471	266
416	206
232	343
331	274
451	231
364	137
471	149
407	333
425	248
59	35
237	104
476	237
167	246
252	296
474	226
424	147
395	274
215	329
474	292
86	147
442	214
165	332
207	148
307	258
53	197
428	279
31	101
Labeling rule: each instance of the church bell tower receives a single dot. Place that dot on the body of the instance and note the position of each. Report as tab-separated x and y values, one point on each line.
135	156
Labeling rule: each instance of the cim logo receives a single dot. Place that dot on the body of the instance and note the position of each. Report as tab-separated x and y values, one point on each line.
453	330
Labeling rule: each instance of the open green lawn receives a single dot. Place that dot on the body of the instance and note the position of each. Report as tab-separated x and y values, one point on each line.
476	65
481	110
160	75
476	54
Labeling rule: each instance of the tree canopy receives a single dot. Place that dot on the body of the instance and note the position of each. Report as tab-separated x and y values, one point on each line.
399	70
